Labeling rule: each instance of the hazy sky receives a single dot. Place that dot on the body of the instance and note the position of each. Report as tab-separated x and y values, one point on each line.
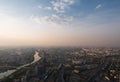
60	22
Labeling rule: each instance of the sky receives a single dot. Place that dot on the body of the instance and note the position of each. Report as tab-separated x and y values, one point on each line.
60	23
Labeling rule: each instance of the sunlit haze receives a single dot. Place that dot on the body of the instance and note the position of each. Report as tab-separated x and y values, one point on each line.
60	23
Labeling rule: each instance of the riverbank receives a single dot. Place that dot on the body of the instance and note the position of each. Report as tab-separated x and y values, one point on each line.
9	72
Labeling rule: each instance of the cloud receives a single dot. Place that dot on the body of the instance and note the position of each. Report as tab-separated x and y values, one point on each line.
53	20
61	5
61	19
40	7
48	8
98	6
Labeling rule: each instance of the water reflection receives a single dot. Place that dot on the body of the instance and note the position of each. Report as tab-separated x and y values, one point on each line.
8	72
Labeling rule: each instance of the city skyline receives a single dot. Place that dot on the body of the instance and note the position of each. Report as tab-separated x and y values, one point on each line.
60	23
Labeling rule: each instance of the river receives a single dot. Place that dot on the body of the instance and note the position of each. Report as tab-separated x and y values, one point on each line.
8	72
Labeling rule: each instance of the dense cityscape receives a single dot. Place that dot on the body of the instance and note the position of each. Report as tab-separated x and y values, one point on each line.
59	40
60	64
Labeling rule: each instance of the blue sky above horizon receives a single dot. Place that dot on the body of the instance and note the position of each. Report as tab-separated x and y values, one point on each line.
60	22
